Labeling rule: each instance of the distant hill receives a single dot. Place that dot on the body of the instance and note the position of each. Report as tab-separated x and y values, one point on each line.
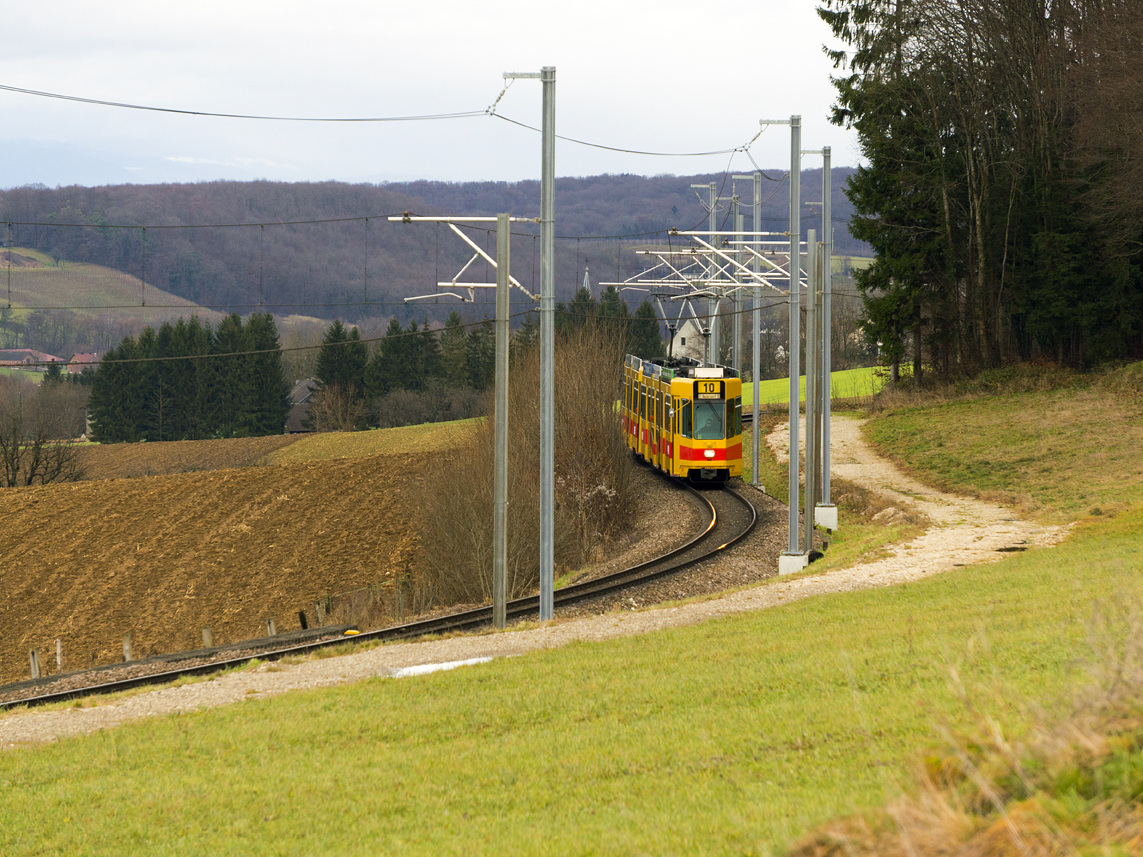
33	280
63	306
327	250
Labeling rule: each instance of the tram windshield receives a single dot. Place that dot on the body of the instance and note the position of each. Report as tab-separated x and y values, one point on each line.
708	420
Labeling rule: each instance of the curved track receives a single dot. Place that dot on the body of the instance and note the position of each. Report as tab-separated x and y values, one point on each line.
727	518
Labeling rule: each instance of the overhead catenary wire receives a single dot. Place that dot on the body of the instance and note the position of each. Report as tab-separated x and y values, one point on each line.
100	102
489	111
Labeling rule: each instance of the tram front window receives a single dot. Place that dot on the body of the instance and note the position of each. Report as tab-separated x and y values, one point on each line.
708	420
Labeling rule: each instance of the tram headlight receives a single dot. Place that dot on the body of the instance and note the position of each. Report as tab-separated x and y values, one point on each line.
708	453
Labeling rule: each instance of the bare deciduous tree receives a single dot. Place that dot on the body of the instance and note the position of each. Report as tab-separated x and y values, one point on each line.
336	409
35	425
31	458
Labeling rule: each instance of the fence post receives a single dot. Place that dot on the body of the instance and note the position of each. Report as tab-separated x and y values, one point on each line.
35	663
59	655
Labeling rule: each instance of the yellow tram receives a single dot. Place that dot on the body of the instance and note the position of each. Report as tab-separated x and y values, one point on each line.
684	417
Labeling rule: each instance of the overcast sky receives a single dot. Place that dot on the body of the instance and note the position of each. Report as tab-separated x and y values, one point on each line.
665	76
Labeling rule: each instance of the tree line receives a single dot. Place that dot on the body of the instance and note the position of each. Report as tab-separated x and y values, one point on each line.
417	374
1003	169
191	381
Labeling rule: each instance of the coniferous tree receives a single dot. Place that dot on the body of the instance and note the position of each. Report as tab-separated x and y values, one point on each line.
142	389
452	350
528	334
387	367
426	357
578	313
644	337
342	359
480	355
229	376
613	313
267	390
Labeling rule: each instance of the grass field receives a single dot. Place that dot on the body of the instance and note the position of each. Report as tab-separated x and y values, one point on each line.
859	384
433	437
737	736
88	290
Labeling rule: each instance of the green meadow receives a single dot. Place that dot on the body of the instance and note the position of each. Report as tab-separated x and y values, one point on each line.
847	384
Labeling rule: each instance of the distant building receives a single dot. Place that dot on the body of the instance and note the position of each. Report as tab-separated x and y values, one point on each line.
689	340
301	397
80	361
27	358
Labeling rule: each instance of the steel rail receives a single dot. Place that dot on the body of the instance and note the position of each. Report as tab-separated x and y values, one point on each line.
466	620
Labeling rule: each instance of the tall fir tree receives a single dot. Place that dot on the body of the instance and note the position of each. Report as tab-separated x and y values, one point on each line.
342	359
480	354
230	378
267	393
452	349
390	362
644	338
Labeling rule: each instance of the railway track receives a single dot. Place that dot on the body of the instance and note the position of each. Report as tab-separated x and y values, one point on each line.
727	517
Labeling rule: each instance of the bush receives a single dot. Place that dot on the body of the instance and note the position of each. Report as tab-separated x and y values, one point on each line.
591	488
438	403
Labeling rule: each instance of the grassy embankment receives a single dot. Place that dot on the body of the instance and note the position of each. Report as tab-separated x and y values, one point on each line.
736	736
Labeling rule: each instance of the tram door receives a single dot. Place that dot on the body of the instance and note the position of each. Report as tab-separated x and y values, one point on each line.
674	450
657	432
643	420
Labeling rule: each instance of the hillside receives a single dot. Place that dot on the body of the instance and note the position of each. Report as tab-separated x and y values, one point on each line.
327	249
33	280
66	307
76	306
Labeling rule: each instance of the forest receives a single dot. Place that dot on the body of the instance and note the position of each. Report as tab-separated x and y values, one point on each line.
328	250
1001	185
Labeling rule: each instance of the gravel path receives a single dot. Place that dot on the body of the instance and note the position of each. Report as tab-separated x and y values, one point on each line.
964	531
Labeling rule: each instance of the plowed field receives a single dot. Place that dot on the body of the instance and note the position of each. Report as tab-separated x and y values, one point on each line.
163	556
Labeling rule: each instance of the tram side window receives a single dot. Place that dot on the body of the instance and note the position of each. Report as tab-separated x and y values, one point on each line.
685	414
734	417
709	420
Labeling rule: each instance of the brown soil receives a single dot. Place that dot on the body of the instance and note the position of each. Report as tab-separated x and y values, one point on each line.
129	460
164	556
